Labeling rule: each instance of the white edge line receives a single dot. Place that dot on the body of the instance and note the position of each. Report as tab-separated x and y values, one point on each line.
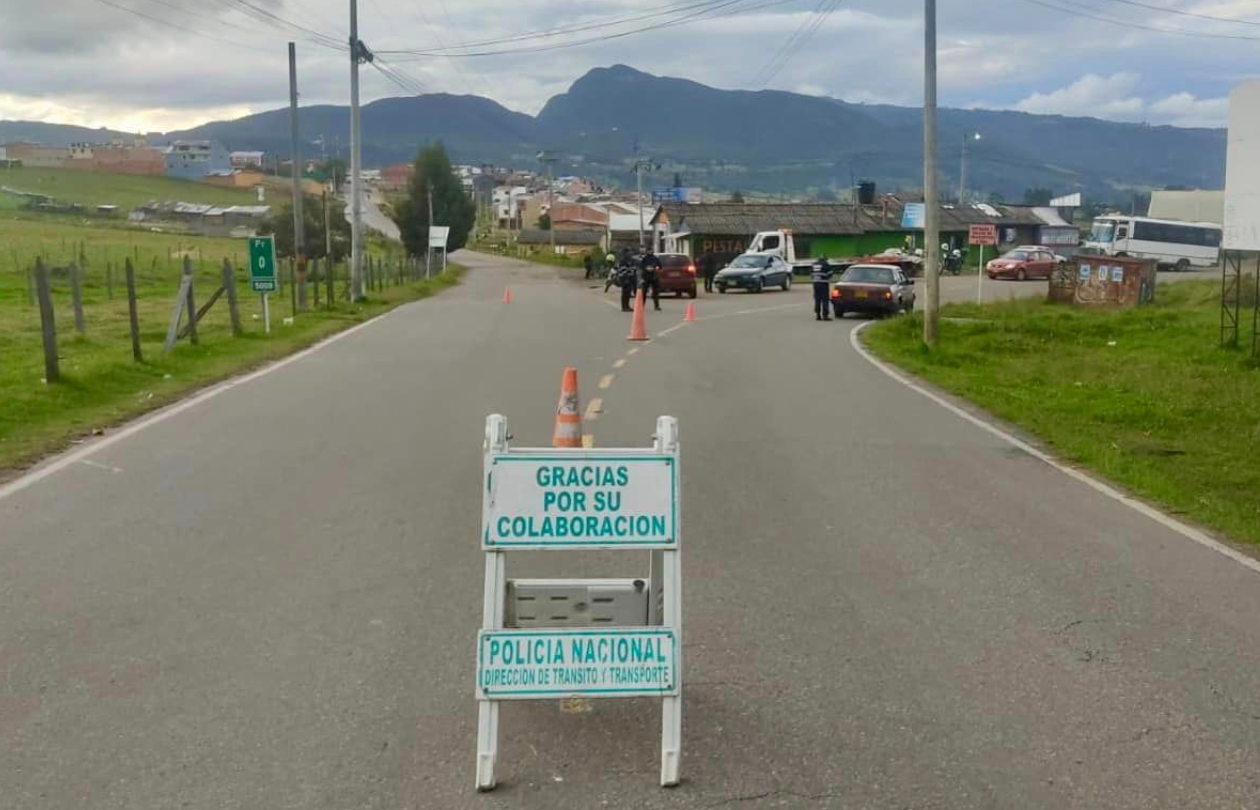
61	462
1151	512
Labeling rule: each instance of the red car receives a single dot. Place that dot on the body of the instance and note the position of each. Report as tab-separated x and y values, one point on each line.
1023	263
678	274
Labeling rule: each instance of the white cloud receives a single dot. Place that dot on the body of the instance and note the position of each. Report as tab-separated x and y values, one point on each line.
1091	95
1184	110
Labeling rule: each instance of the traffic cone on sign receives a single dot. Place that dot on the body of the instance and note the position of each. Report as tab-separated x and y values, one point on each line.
568	432
507	295
691	314
638	322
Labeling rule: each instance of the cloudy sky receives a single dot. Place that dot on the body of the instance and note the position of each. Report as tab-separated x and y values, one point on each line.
165	64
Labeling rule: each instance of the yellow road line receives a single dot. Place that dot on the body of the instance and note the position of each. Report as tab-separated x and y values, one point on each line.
593	408
605	381
621	361
633	351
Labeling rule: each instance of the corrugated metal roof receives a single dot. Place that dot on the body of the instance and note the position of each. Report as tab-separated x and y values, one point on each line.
537	236
837	219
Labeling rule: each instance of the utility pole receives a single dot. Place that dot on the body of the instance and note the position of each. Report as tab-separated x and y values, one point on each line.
327	234
299	230
962	167
358	53
428	248
931	206
547	160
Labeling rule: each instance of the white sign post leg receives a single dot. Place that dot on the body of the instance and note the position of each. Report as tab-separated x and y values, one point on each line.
980	278
266	314
491	619
671	706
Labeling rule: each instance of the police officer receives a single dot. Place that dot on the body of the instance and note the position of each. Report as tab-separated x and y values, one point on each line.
589	264
627	279
708	262
650	278
820	275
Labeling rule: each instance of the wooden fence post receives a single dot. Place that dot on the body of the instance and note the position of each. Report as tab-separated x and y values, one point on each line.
192	308
293	288
47	322
229	286
76	296
330	280
132	315
314	276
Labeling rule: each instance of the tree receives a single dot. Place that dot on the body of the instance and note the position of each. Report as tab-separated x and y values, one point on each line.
1037	196
451	206
737	196
996	198
330	168
280	225
544	222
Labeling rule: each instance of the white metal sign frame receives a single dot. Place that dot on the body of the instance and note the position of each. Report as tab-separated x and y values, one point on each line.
664	623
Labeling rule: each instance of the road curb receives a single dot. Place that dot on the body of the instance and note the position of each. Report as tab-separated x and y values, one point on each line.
1109	490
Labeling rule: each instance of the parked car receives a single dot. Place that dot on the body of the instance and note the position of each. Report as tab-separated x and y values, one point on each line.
754	272
879	288
678	274
1023	263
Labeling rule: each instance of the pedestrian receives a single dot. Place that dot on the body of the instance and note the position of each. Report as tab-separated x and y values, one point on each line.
820	276
628	280
651	277
589	264
709	267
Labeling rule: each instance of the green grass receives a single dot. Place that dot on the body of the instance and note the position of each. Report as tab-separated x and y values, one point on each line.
124	190
1142	396
101	385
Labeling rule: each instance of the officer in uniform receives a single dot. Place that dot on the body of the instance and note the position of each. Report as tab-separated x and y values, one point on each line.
820	276
650	278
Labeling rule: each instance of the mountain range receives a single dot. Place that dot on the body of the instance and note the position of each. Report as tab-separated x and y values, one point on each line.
768	140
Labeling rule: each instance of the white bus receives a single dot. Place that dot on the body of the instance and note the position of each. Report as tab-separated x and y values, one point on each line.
1181	245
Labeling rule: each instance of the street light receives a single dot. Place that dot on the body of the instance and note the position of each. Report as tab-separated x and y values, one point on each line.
551	199
962	166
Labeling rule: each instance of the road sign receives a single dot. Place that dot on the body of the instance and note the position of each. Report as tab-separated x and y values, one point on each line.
262	264
612	662
548	638
438	234
581	499
984	234
913	216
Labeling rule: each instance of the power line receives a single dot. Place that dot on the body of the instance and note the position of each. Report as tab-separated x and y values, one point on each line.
791	47
169	24
1183	13
707	12
276	21
1132	25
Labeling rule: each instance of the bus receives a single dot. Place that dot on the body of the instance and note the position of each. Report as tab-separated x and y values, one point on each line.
1180	245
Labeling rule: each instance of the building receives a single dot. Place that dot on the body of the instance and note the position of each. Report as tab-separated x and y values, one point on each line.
842	230
38	156
193	160
570	216
246	160
117	158
208	220
397	176
1188	206
568	243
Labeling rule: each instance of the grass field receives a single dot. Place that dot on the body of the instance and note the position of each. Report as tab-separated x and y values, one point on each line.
1143	396
124	190
101	385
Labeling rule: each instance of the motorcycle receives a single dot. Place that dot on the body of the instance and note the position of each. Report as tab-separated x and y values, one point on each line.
953	263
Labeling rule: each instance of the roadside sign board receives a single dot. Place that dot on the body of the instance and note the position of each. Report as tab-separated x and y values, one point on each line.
983	234
609	662
438	234
580	499
913	216
262	264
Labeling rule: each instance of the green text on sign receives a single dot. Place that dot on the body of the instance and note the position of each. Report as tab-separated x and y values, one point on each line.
585	499
597	663
262	264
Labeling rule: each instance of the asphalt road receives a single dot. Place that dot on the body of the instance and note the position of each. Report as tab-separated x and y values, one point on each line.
270	599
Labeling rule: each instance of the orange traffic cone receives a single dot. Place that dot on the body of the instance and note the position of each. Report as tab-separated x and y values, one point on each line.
691	314
507	295
568	432
638	323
